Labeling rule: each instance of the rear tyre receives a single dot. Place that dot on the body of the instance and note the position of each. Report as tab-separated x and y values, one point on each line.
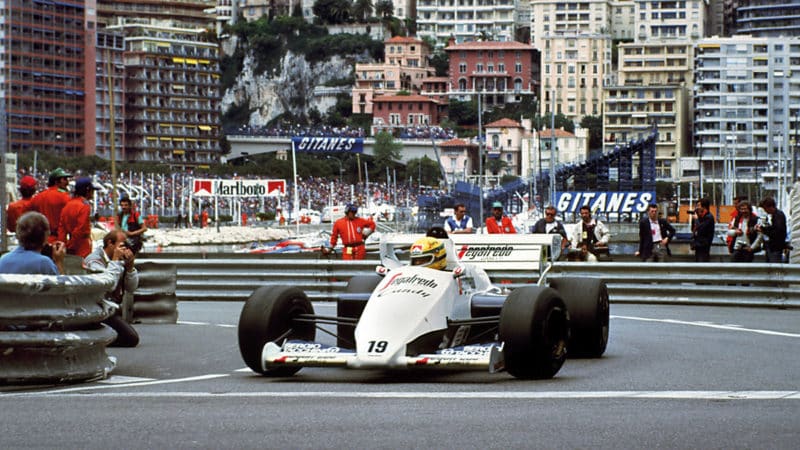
588	306
268	315
361	286
534	329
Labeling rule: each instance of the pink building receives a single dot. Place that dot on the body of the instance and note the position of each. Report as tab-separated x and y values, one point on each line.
503	71
404	111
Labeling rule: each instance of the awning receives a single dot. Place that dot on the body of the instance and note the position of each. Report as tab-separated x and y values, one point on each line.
204	61
178	60
204	127
178	152
191	61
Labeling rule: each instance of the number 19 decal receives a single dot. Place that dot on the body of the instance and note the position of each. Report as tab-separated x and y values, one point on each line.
377	346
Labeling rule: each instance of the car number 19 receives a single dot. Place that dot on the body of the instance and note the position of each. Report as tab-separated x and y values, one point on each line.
377	346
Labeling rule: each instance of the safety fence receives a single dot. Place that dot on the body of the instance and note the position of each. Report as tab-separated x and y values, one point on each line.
793	215
745	284
51	330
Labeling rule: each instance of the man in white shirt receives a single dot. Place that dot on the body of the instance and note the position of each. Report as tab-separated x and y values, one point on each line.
460	222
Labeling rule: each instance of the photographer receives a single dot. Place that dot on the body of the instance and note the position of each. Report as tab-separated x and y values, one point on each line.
31	256
115	250
743	231
773	227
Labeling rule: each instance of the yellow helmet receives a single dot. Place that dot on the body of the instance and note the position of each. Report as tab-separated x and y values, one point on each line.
429	252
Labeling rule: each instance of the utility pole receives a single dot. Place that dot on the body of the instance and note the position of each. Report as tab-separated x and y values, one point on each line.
553	147
480	157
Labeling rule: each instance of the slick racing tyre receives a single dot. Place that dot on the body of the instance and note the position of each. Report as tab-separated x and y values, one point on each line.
351	307
534	329
587	303
268	315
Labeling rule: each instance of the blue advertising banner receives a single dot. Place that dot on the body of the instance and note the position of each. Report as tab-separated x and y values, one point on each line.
605	202
328	144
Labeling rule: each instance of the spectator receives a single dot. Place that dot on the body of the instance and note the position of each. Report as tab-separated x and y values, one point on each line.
75	227
460	222
550	225
655	233
115	252
744	233
28	258
52	200
353	230
590	233
773	228
27	187
131	223
702	231
499	223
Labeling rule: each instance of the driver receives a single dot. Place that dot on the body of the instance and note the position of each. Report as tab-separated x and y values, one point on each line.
429	252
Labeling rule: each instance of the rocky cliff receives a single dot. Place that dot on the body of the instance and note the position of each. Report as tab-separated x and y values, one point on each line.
268	95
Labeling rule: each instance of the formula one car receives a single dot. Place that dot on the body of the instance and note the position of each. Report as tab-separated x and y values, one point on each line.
440	314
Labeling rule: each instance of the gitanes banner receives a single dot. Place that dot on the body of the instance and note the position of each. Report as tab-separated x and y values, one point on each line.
328	144
605	202
238	188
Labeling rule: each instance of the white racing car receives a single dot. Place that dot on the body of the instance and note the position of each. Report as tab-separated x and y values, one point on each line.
433	312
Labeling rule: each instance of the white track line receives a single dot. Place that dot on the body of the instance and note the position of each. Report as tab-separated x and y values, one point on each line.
728	327
562	395
109	386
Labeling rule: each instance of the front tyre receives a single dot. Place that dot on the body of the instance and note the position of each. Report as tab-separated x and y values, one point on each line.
588	306
534	329
268	315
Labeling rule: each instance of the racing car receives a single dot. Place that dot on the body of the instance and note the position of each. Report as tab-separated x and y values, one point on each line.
439	313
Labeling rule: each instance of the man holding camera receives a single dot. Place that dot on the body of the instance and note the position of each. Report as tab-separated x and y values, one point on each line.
34	255
774	228
115	250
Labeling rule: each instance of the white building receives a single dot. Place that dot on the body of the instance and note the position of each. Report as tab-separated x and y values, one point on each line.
466	20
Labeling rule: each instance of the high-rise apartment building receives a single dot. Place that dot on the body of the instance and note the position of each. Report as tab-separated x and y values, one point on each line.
654	80
172	94
575	44
747	107
181	13
109	96
466	20
765	18
47	82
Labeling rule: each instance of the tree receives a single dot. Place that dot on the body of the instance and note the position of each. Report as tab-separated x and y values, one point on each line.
595	126
561	121
495	165
424	170
362	9
384	8
332	11
440	62
386	151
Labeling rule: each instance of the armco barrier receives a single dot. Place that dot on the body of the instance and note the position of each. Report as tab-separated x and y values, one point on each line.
51	330
227	277
154	301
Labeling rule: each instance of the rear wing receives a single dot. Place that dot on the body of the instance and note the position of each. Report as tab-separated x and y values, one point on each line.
491	252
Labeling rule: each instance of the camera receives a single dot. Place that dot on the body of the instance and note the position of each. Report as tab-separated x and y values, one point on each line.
47	250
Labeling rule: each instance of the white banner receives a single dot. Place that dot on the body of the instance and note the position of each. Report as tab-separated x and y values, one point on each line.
238	188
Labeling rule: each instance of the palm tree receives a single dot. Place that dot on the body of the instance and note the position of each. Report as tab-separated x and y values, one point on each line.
384	8
362	9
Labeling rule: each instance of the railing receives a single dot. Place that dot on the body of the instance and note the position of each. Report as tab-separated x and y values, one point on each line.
234	278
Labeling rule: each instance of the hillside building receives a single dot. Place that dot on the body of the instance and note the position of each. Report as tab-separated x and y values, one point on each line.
503	72
466	20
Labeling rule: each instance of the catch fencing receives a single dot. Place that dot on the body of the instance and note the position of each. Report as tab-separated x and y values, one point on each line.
233	278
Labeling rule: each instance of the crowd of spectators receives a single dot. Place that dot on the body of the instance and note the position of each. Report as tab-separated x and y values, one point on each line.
170	194
287	130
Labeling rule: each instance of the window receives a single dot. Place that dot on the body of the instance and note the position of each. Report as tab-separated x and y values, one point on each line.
518	67
462	68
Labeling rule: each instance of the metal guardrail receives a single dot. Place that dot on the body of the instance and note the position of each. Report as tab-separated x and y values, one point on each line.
744	284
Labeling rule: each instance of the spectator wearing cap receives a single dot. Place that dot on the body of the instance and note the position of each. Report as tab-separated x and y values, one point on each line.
353	230
52	200
75	226
499	223
15	210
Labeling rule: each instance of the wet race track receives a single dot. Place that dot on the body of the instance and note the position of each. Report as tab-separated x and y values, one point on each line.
673	376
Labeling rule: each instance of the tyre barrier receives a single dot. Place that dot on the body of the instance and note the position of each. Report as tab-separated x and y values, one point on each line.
155	300
51	330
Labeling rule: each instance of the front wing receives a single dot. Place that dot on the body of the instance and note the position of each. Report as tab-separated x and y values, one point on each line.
297	353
